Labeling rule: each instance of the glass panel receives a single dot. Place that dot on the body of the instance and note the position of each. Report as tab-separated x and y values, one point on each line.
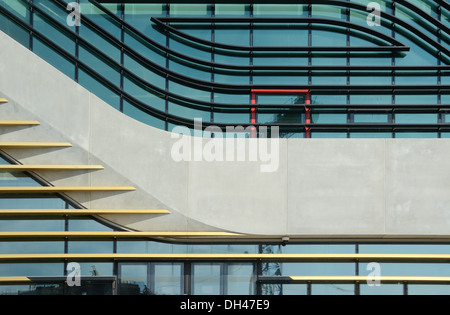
241	279
31	269
383	289
138	15
133	279
428	289
227	10
371	118
87	225
191	10
317	269
32	203
90	247
50	247
96	269
168	279
206	279
18	7
16	179
13	30
332	289
283	10
31	225
59	38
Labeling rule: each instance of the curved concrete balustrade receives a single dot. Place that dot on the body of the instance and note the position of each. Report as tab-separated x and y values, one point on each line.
321	188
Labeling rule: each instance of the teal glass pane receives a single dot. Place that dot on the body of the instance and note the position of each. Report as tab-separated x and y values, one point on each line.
285	59
133	279
143	48
189	113
420	53
416	135
230	10
319	116
168	278
56	12
14	31
428	289
206	279
49	247
232	118
99	65
17	7
59	38
144	95
191	70
190	10
370	118
103	44
404	249
418	78
317	269
371	135
31	225
138	15
232	77
31	202
416	99
416	118
87	225
383	289
274	78
318	249
294	289
372	78
16	179
240	279
90	247
280	35
332	289
328	135
370	99
328	12
222	98
99	17
280	10
31	269
408	269
329	78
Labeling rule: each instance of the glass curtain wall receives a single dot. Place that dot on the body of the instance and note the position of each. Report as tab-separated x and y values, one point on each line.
166	64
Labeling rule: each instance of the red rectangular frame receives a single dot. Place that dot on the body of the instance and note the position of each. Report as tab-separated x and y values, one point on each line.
307	93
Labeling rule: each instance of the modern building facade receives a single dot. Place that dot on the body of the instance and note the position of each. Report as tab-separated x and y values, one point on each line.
224	147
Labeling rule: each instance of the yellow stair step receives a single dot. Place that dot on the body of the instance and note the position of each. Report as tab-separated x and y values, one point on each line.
51	189
25	168
24	145
80	211
18	122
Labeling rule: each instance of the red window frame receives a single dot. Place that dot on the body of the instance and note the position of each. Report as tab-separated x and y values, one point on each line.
307	93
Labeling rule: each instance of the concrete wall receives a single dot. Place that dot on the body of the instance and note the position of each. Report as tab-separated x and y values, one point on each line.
322	188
